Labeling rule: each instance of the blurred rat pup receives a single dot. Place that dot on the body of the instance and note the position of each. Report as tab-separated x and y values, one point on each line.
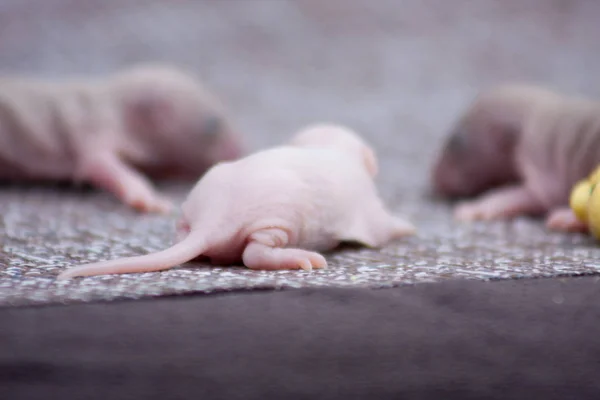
520	148
146	121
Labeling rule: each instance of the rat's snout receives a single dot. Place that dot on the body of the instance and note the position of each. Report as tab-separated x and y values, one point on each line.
445	182
437	181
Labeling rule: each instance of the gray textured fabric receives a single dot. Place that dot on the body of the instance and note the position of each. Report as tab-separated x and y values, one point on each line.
398	71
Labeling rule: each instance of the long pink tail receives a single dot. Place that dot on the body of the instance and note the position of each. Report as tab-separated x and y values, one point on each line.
186	250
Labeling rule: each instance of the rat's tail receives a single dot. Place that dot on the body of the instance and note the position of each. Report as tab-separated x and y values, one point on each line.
189	248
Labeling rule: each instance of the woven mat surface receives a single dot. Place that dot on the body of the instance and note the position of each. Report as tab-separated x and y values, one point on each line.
398	71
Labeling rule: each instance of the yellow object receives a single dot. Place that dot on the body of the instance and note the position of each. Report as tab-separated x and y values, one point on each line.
580	196
593	212
594	177
585	202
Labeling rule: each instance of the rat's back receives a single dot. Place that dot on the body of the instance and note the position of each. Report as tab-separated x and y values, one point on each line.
37	136
561	146
26	121
310	188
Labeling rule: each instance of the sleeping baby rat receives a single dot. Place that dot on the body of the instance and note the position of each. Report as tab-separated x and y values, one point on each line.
114	133
520	148
277	208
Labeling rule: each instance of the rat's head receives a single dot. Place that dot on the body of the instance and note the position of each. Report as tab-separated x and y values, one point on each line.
480	149
339	137
176	119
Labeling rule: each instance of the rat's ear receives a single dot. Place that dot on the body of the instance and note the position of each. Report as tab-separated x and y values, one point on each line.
507	139
370	160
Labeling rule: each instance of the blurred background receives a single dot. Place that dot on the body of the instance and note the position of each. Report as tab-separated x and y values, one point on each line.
397	70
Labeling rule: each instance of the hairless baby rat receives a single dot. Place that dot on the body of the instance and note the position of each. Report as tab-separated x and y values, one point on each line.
521	148
144	121
277	208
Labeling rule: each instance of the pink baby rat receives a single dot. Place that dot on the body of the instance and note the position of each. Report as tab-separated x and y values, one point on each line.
277	208
114	133
520	148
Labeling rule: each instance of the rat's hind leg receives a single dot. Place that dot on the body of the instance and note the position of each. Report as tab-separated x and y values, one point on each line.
399	227
502	203
265	251
564	220
109	172
260	256
373	225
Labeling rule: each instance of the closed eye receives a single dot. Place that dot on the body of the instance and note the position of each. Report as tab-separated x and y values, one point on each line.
211	127
457	142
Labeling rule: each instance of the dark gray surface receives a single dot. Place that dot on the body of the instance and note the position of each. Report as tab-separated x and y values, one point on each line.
454	340
397	71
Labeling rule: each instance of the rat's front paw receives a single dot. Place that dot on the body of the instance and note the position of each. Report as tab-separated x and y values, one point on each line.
148	201
477	211
565	220
467	212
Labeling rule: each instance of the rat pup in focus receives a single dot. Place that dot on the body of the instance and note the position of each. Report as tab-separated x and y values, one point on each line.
145	121
277	208
520	148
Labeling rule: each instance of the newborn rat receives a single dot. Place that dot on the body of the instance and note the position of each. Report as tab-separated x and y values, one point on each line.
277	208
114	133
521	148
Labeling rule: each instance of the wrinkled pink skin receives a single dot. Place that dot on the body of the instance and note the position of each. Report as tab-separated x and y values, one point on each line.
147	121
519	150
277	208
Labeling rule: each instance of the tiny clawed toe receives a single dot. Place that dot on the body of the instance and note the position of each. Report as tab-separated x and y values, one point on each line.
464	216
156	205
310	264
319	262
468	213
306	265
